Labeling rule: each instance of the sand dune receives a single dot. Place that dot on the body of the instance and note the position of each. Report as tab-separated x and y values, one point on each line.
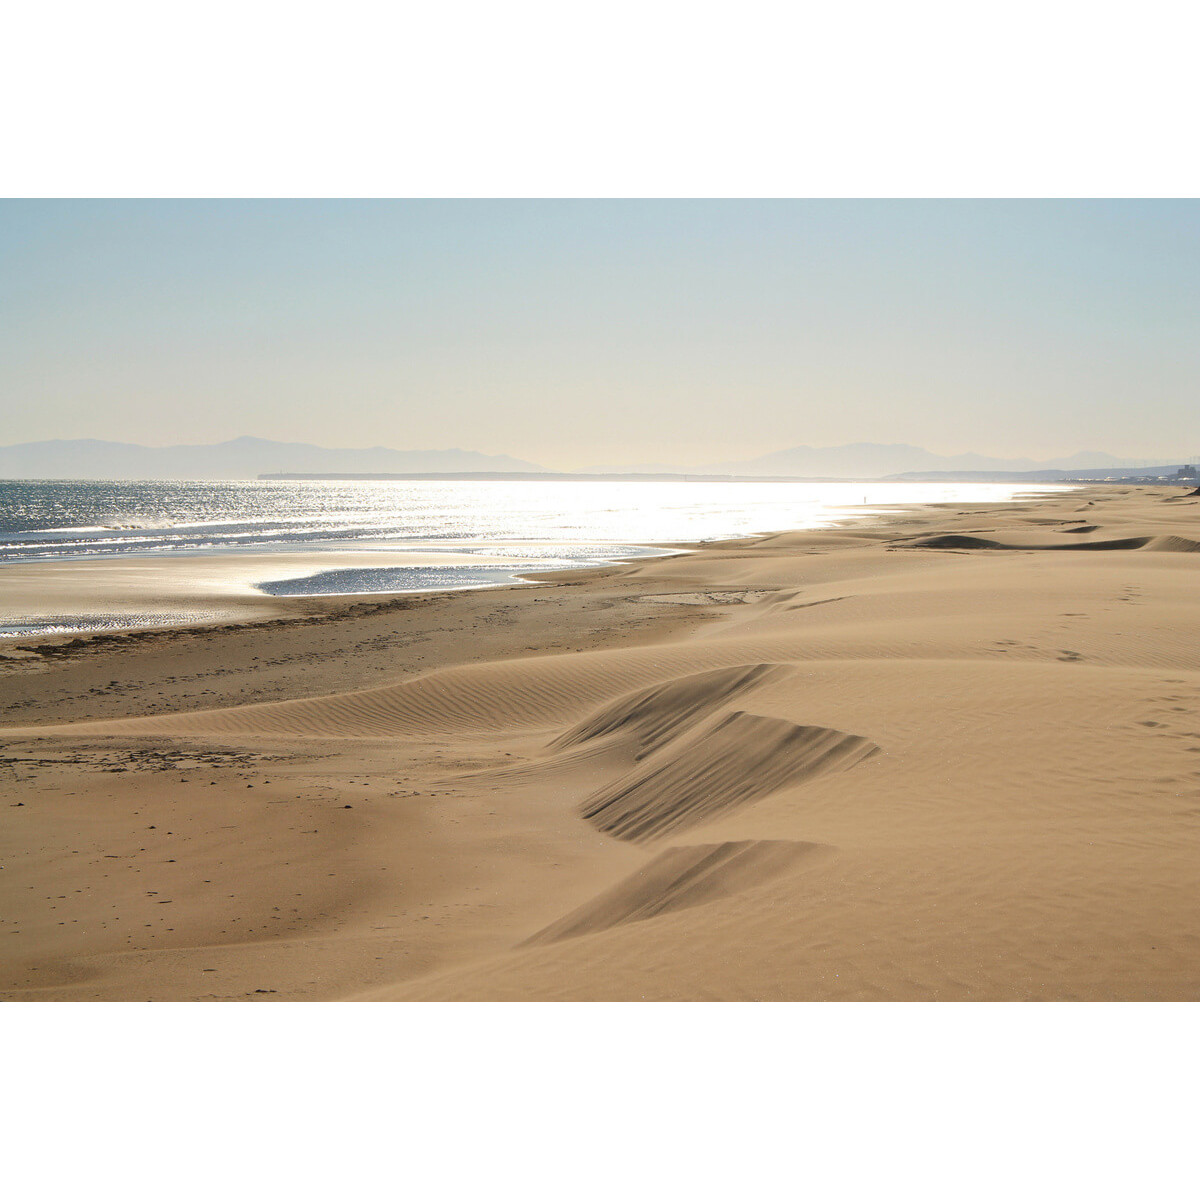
939	755
727	762
1163	543
681	877
651	717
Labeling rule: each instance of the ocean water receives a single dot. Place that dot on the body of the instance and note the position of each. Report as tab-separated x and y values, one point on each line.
517	527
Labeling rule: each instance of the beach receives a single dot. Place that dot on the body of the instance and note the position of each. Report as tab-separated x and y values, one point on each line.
137	592
950	753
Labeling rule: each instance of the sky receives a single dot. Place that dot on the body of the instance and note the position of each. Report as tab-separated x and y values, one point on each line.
577	333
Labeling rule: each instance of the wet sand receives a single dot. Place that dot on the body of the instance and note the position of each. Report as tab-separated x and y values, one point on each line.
143	591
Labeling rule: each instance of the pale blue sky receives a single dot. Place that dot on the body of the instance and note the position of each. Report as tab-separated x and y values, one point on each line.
574	333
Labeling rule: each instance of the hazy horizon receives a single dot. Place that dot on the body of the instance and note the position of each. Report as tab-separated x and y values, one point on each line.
582	334
1081	456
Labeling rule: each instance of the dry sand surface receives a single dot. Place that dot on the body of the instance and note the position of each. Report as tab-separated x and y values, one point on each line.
948	755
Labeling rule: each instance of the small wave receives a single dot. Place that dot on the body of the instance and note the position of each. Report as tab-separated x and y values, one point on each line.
138	523
59	624
367	581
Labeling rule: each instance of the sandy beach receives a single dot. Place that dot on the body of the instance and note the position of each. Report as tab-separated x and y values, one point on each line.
951	754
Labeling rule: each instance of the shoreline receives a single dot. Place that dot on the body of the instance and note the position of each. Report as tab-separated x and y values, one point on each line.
62	590
213	590
139	593
919	756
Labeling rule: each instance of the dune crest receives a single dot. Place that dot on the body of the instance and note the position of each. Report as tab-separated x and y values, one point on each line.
653	716
678	878
1159	543
724	764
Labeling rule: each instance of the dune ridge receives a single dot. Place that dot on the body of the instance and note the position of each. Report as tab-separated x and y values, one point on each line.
678	878
1160	543
653	716
731	761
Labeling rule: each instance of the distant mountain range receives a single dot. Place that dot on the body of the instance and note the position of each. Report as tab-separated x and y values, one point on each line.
248	457
868	460
242	458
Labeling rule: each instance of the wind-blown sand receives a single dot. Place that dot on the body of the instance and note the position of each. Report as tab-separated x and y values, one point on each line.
950	755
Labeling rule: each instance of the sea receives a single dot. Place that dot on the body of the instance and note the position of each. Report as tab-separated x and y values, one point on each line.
514	527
